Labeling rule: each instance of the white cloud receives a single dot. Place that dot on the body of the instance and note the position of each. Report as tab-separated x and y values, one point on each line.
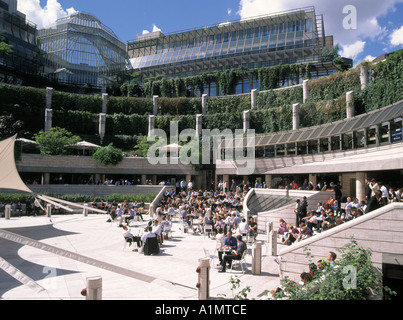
155	29
353	50
369	58
396	38
45	16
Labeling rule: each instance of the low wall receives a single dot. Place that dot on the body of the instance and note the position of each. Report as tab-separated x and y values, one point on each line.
380	230
96	190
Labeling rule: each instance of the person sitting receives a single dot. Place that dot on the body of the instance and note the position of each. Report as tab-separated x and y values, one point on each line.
235	254
129	237
229	241
157	229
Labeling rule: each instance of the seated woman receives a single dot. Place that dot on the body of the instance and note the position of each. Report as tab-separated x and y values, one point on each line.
283	227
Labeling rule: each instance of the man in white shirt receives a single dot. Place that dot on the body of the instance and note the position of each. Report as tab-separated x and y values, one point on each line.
147	234
385	194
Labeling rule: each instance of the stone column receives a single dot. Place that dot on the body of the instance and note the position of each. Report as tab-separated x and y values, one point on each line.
155	105
94	288
204	103
49	94
363	76
48	119
246	120
199	121
305	90
143	179
273	243
360	185
46	178
253	98
257	258
350	105
49	210
268	179
104	102
203	283
313	179
102	125
151	123
7	212
295	116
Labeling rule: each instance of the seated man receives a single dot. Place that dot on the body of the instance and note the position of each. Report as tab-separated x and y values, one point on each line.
229	241
235	254
129	237
147	234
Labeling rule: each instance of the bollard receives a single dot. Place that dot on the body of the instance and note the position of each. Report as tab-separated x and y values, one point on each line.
85	210
257	258
203	283
273	243
94	288
7	212
49	210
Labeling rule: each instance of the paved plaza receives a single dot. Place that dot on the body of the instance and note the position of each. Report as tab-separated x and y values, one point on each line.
68	249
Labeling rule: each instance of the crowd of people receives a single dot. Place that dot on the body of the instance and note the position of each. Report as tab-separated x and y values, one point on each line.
333	212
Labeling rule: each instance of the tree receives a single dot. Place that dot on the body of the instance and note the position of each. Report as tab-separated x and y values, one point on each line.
108	155
353	278
56	141
5	47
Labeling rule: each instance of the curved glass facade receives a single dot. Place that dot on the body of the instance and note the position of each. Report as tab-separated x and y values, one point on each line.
251	43
79	49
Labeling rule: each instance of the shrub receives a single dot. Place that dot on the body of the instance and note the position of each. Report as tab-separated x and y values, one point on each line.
56	141
108	155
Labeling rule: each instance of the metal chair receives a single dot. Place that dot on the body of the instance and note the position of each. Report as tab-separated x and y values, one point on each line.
240	262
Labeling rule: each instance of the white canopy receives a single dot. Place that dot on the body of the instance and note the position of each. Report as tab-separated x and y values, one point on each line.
171	147
9	176
84	145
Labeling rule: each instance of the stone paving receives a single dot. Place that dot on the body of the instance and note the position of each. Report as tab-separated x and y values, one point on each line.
92	247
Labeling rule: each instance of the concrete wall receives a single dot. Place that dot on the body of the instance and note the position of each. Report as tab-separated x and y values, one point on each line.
380	230
96	190
85	164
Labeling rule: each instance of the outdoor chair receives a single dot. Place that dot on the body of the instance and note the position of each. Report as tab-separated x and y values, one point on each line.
240	262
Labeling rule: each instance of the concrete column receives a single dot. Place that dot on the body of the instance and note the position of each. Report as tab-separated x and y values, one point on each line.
104	102
268	179
295	116
48	119
204	103
199	121
273	243
143	178
49	210
151	123
203	283
350	105
253	98
7	212
94	288
246	120
189	178
257	258
269	228
155	105
154	179
151	211
305	90
85	210
46	178
363	76
102	125
49	93
360	185
313	179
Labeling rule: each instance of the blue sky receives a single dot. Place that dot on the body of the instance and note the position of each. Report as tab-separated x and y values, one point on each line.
365	30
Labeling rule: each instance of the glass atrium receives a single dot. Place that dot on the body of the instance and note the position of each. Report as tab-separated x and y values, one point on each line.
79	49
